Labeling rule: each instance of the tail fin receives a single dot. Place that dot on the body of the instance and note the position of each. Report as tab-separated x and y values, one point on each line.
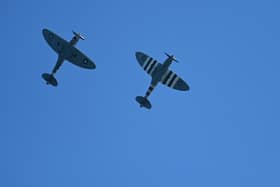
50	79
144	102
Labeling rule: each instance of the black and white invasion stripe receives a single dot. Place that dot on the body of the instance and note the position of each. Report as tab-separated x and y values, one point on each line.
149	91
150	65
170	79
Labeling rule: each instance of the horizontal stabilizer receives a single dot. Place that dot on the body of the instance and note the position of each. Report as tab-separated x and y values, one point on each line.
50	79
144	102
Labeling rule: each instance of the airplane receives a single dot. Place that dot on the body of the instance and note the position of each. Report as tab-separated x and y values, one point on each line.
159	73
65	51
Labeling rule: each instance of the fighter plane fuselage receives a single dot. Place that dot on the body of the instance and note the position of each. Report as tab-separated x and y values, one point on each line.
161	70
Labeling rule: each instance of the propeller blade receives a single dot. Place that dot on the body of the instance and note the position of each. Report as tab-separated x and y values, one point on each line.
171	56
78	35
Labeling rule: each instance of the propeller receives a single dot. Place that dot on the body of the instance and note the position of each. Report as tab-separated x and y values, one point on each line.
78	35
172	57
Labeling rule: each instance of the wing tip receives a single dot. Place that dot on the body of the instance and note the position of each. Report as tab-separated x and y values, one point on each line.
90	65
139	55
182	85
93	66
45	32
186	87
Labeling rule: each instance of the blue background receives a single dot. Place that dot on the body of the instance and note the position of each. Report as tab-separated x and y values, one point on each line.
89	131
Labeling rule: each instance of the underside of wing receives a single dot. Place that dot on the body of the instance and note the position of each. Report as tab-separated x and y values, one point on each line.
57	43
172	80
76	57
146	62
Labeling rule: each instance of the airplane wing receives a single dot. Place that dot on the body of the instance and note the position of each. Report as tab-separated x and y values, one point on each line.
146	62
172	80
56	42
78	58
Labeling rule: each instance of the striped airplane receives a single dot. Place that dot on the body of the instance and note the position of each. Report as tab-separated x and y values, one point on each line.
65	51
159	73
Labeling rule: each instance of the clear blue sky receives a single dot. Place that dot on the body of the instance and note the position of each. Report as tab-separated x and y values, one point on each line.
89	131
